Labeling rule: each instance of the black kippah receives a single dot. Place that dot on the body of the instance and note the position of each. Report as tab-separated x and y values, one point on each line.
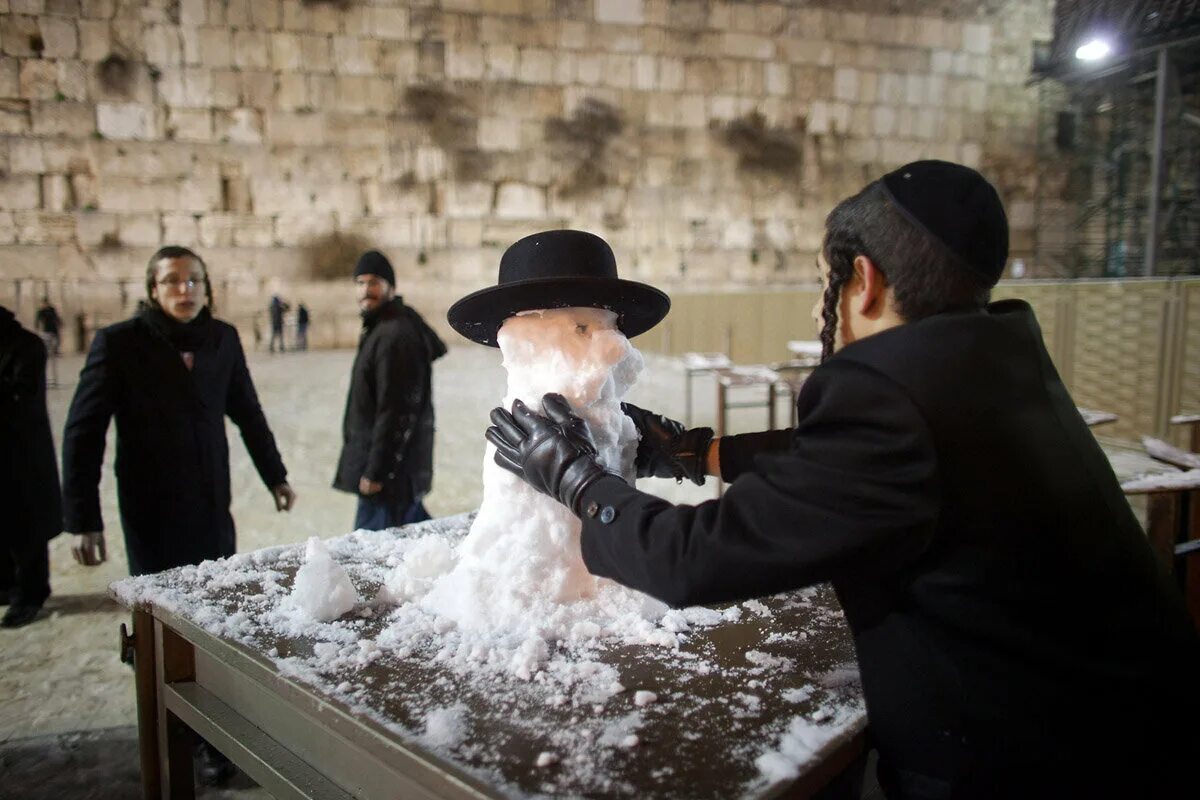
374	262
958	207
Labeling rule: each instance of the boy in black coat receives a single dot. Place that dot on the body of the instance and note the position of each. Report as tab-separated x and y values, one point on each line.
29	491
169	376
387	431
1015	636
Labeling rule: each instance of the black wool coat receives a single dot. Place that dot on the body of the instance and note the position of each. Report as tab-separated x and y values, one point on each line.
172	460
388	428
1015	635
29	488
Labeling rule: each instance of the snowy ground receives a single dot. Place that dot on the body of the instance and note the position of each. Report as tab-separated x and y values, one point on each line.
61	674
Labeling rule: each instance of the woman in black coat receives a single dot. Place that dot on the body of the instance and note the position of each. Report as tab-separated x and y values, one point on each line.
170	376
28	475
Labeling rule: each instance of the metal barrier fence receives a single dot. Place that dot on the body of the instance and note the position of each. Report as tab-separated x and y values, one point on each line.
1128	346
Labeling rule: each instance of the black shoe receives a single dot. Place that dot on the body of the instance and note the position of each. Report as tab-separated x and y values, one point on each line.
214	769
20	615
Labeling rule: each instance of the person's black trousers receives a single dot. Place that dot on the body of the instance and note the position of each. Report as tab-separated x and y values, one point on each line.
24	570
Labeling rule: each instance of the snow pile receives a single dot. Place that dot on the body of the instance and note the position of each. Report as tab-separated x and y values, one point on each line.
322	589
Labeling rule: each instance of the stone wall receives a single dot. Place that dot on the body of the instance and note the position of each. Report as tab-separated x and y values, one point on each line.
704	140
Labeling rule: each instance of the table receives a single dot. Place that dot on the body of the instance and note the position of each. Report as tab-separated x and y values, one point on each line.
1093	417
1193	423
805	347
208	658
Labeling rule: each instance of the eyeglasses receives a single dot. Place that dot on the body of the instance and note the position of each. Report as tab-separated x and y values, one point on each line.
175	284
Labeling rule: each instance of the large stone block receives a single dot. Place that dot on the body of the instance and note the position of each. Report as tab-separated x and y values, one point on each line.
536	65
293	229
265	15
291	92
19	34
466	200
621	12
499	133
10	81
354	56
62	119
318	53
127	121
226	88
38	80
163	45
60	38
520	201
258	88
306	128
387	23
100	9
39	227
8	229
743	45
73	79
216	47
140	230
20	191
181	229
286	52
251	49
240	126
977	38
56	193
25	157
93	228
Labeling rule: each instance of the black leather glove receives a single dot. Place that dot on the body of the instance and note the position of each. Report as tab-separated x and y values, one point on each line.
666	450
554	453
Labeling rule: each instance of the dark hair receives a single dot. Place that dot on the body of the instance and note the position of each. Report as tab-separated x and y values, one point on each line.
175	251
926	278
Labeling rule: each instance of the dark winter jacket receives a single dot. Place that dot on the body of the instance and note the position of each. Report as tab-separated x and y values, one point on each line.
172	459
1015	635
29	490
387	431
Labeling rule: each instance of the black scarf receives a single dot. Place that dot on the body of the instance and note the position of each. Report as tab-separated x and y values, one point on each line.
186	337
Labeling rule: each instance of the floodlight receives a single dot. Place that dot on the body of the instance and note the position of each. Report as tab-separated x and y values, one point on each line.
1093	50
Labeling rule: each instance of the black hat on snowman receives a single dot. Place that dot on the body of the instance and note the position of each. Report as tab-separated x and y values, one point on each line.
557	269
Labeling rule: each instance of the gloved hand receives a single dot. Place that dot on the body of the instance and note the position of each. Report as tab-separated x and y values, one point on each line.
554	453
666	450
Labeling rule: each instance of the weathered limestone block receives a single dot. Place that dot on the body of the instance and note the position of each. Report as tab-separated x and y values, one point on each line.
181	229
251	49
742	45
39	79
466	199
318	53
292	229
536	65
520	201
284	127
464	61
291	92
265	14
139	230
389	198
56	193
60	38
240	126
286	52
387	23
620	12
216	47
257	88
8	228
193	12
354	56
845	84
352	130
73	79
100	9
20	191
163	45
977	38
41	227
499	133
127	121
93	228
19	33
52	118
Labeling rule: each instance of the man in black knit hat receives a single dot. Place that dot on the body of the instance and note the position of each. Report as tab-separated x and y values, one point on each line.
387	431
1015	636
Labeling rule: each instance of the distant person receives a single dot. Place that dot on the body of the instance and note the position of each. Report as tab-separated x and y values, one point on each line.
387	432
49	325
302	327
277	309
170	376
29	490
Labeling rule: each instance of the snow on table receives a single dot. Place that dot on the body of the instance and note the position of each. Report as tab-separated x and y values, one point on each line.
711	702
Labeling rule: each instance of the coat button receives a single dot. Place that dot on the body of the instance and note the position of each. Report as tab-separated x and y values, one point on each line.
607	514
391	475
592	509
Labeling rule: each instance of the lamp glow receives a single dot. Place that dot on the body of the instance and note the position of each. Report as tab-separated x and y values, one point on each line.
1093	50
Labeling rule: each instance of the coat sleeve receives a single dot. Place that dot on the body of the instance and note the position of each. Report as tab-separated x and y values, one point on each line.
243	408
399	383
739	451
856	495
92	408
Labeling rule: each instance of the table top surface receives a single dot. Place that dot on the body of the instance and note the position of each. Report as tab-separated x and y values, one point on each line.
805	347
738	689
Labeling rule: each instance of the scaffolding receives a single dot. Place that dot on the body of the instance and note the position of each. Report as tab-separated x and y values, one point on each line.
1119	144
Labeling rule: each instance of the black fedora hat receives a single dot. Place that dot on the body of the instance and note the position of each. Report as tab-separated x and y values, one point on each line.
557	269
